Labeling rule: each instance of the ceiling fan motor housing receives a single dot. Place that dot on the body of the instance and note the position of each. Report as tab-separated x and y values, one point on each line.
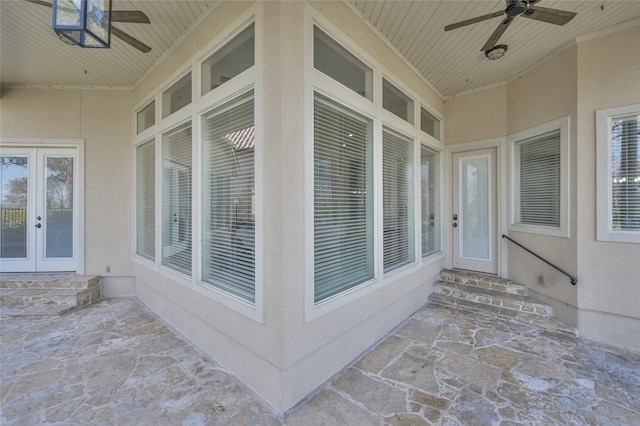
516	7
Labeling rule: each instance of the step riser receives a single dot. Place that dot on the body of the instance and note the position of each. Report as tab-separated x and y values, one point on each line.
484	282
47	295
527	307
80	298
50	282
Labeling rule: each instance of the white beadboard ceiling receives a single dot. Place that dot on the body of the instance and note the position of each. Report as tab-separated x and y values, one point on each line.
452	62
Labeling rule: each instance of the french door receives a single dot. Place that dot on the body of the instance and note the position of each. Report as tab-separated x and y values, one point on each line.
39	208
475	224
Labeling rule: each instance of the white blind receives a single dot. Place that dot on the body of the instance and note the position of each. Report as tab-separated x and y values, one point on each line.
176	200
343	199
228	244
146	200
538	168
397	177
625	171
430	200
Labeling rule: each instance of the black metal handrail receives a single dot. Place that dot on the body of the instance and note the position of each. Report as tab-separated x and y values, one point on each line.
573	279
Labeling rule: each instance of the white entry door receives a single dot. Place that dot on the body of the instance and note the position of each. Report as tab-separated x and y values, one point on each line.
38	197
475	231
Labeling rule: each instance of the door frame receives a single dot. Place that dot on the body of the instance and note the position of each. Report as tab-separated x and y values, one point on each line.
78	145
500	145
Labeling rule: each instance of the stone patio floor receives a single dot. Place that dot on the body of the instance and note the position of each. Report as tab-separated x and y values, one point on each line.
115	362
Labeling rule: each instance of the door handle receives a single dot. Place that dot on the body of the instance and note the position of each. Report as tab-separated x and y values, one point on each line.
455	225
38	225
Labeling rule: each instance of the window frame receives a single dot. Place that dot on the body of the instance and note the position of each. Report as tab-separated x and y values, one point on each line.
604	191
318	82
563	230
249	79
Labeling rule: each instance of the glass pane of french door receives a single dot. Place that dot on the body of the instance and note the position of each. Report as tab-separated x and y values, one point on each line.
39	209
58	215
14	187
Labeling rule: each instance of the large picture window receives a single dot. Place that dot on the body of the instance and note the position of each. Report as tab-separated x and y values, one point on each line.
343	199
228	208
146	200
176	199
618	174
397	200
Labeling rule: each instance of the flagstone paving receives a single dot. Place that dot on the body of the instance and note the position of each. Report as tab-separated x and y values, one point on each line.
115	362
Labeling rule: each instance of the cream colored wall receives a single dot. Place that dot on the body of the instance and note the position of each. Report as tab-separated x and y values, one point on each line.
609	288
476	116
103	120
546	93
284	358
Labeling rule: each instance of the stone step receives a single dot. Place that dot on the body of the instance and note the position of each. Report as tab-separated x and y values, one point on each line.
548	324
58	281
45	295
484	281
495	298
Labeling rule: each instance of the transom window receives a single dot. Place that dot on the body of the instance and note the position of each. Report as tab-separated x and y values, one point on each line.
338	63
396	102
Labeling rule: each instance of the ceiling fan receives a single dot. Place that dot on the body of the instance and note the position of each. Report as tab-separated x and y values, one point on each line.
514	9
125	16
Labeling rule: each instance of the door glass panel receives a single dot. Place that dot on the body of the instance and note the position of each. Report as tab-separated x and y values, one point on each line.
59	207
475	224
14	172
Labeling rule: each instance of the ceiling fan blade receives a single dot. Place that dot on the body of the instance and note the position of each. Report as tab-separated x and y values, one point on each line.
130	40
550	16
40	2
497	33
473	20
130	16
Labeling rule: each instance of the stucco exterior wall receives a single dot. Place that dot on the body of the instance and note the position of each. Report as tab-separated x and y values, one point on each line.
609	288
287	356
546	93
103	120
476	116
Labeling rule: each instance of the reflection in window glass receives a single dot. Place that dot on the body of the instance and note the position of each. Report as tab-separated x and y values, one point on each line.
233	58
177	96
146	200
343	199
335	61
396	102
430	200
176	199
397	200
429	123
146	117
229	198
14	193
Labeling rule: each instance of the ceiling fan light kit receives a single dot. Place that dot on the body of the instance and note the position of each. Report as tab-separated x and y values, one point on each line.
496	52
84	22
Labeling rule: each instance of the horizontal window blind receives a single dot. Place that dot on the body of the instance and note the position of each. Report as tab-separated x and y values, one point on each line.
430	200
176	200
343	199
538	166
397	177
228	242
625	173
146	200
